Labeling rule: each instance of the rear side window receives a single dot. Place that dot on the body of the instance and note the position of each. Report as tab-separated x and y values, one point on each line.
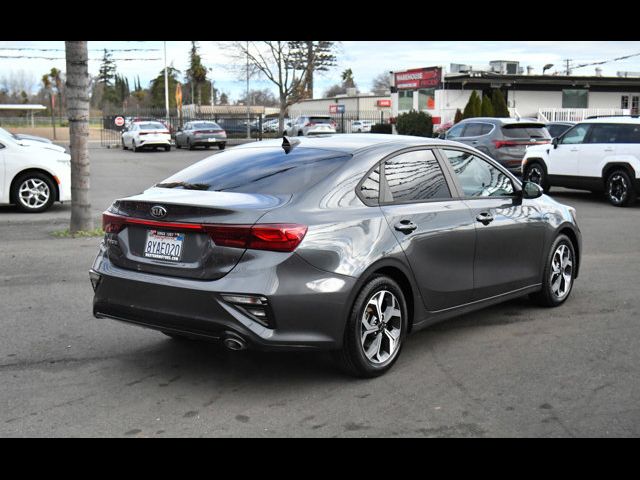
320	120
628	134
370	188
603	133
477	129
259	170
415	177
525	131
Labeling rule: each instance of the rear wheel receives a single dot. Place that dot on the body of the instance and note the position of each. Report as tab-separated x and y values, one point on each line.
189	146
133	146
559	272
620	191
167	148
33	192
124	147
375	329
535	173
222	146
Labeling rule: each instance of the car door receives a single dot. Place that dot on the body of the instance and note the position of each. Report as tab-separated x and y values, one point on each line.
600	143
3	188
563	157
435	231
509	230
180	134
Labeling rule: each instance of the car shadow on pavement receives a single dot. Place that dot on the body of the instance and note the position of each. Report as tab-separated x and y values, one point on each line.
566	196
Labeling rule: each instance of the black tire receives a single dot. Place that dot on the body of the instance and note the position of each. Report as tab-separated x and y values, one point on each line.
546	297
124	147
352	357
39	178
189	146
222	146
619	189
133	146
536	173
167	148
300	133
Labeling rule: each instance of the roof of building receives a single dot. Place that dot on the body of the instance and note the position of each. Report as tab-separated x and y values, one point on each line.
22	106
567	80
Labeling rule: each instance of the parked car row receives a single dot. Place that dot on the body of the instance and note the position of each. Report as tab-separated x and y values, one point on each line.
597	154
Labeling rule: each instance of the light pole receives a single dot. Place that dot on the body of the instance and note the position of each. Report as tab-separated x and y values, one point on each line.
248	100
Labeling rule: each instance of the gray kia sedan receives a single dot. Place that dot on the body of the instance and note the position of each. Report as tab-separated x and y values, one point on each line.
338	242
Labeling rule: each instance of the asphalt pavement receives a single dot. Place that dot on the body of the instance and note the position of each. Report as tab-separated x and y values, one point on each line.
510	370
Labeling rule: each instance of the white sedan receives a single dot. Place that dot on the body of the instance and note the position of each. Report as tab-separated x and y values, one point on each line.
32	177
147	134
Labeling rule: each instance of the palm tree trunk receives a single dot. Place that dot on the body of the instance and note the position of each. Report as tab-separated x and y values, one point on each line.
77	90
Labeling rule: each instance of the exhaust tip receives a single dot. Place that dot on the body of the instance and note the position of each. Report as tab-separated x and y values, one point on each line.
234	343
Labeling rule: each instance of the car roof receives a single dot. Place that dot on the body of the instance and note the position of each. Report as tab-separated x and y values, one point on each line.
502	121
352	143
612	119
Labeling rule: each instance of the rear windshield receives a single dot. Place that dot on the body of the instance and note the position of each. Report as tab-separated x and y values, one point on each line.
206	125
259	170
151	126
520	130
320	119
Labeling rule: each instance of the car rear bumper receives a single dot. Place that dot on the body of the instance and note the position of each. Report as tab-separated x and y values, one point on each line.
307	306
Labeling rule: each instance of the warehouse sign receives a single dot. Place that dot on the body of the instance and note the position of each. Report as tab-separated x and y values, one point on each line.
430	77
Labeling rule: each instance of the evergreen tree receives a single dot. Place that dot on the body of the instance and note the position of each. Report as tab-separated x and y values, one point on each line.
196	75
107	70
500	109
487	108
156	90
458	116
311	57
471	110
477	106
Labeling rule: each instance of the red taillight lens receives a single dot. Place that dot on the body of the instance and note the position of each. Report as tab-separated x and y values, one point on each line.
512	143
274	237
112	223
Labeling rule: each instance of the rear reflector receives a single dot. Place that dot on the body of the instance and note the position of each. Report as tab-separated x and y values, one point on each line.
274	237
513	143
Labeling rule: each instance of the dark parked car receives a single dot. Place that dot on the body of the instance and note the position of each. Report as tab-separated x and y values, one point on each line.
201	133
345	242
504	139
556	129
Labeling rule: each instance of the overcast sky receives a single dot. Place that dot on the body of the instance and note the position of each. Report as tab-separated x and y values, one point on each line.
366	59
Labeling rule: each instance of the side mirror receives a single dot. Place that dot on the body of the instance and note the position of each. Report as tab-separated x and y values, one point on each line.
531	190
554	141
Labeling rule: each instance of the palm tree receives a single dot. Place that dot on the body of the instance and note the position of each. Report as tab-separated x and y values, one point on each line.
77	87
347	79
56	76
46	83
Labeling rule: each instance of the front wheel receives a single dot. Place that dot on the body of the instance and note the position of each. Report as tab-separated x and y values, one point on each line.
222	146
535	173
33	192
559	273
124	147
375	330
620	191
167	148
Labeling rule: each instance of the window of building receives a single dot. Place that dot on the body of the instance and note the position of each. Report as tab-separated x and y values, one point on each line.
575	98
427	98
405	100
477	177
634	104
624	101
415	176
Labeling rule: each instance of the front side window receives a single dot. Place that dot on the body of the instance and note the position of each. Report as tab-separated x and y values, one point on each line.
477	177
415	177
455	131
575	135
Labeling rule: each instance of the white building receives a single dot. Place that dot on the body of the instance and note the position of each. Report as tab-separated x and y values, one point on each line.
361	107
546	97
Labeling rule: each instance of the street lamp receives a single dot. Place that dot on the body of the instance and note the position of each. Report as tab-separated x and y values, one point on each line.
546	67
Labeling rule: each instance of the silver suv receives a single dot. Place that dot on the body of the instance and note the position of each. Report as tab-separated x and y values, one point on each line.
504	139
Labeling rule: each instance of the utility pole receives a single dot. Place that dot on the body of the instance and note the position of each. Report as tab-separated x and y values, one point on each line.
248	101
568	61
166	83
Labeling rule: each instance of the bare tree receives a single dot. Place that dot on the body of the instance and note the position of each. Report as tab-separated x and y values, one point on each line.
277	62
77	93
381	84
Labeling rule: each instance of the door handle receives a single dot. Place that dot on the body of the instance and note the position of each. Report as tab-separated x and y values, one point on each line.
475	142
608	149
405	226
485	218
573	150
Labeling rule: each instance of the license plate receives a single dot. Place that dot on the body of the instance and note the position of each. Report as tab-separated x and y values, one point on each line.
212	139
164	245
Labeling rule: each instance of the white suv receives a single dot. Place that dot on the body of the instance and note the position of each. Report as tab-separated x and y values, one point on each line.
311	125
599	154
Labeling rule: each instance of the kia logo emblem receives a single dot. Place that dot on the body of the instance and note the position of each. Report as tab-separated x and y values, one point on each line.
158	211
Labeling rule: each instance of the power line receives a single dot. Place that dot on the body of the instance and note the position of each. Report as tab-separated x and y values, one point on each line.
91	59
606	61
91	49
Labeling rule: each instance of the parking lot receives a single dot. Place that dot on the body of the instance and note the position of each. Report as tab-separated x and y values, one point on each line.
510	370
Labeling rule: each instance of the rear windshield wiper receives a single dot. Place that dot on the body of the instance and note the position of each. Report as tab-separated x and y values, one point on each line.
185	185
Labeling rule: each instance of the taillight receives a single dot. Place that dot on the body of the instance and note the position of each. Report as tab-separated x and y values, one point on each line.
112	223
273	237
512	143
277	237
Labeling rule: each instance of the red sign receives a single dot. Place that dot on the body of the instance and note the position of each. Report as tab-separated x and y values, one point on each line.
384	103
119	121
333	108
429	77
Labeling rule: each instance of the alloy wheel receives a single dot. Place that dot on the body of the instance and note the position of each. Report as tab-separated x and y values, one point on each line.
617	188
381	326
34	193
535	174
561	271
